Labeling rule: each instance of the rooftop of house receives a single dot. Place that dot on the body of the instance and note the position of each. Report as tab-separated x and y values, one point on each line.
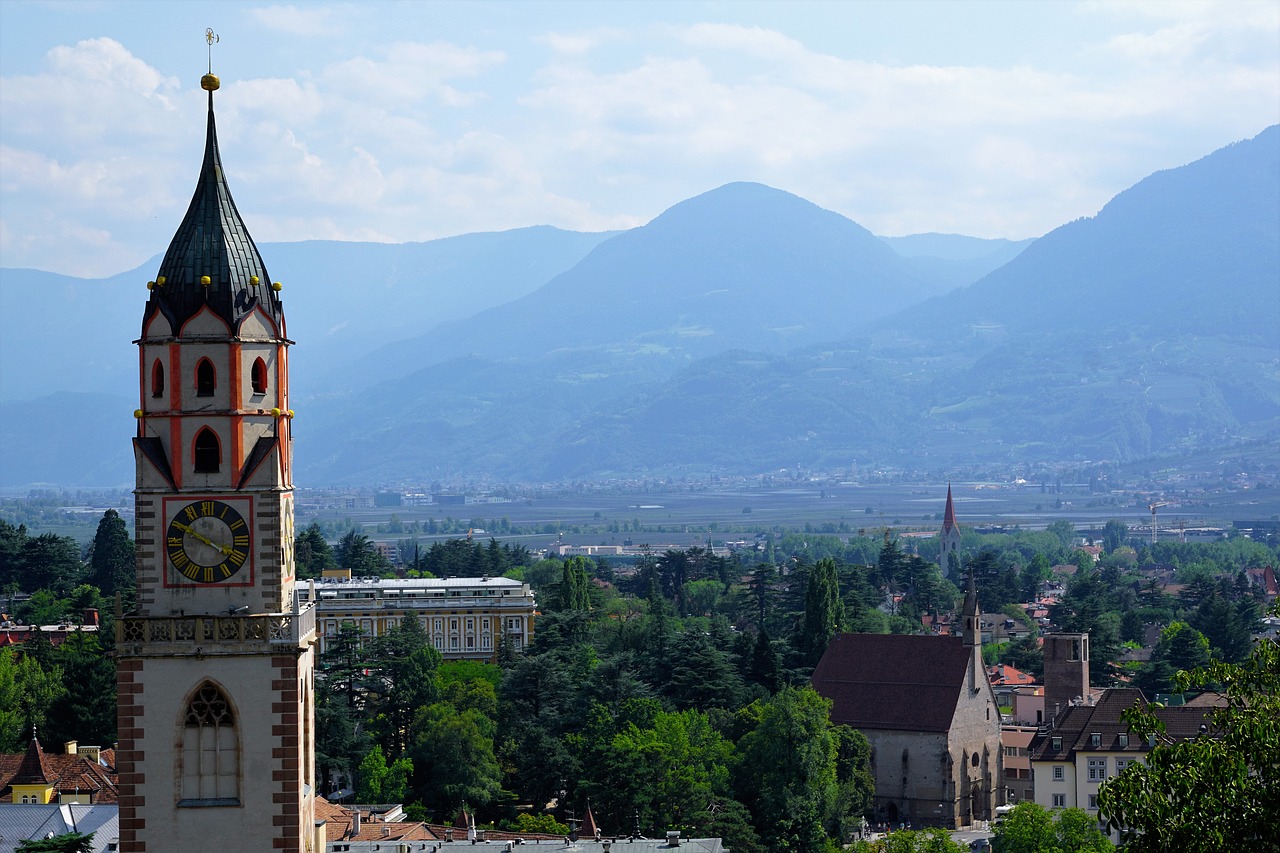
892	681
69	773
1003	674
24	822
1075	728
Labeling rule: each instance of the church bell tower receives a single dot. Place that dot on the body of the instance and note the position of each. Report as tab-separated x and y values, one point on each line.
215	665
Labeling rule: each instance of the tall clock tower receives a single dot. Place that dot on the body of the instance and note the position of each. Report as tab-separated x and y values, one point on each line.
215	665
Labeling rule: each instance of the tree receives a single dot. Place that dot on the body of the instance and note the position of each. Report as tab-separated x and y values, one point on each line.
453	759
787	773
312	554
907	841
1114	534
68	842
1031	828
356	552
1181	647
111	557
1213	792
823	612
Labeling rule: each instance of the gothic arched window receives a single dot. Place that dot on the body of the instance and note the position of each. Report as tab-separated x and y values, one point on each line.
157	379
206	378
210	748
208	455
258	377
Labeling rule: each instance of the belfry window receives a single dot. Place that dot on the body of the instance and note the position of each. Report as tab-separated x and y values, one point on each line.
208	455
210	750
206	378
258	377
157	379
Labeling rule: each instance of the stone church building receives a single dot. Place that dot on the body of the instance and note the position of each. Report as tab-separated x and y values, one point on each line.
928	710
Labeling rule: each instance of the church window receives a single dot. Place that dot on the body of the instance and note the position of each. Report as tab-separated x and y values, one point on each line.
208	455
206	378
258	376
157	379
975	759
210	749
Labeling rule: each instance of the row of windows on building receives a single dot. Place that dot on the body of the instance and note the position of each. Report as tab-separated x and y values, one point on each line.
1096	767
207	378
448	634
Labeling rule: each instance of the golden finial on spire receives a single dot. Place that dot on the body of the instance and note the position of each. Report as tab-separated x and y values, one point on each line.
209	82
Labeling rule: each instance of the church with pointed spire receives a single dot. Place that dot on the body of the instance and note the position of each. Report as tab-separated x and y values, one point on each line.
926	706
949	540
215	664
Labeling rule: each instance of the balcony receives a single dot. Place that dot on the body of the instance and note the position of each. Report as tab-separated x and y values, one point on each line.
260	632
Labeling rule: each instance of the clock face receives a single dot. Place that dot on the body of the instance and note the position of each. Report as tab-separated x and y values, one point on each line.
208	541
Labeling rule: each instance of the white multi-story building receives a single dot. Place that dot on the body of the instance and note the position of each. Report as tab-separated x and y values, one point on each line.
466	618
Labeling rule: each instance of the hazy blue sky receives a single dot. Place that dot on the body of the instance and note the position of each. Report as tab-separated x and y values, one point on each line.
409	121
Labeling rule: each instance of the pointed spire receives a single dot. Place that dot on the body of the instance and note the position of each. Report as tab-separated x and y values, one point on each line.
949	514
972	613
589	827
212	260
31	770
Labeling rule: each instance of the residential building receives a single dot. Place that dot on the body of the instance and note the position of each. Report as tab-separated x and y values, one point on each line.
1015	742
928	710
466	618
1086	744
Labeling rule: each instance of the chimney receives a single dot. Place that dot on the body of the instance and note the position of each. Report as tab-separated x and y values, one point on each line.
673	838
91	616
355	823
386	831
70	748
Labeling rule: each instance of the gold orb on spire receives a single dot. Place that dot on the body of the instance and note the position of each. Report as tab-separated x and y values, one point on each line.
210	82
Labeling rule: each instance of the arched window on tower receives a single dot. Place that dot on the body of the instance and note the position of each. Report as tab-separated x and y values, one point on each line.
210	750
259	377
208	455
157	379
206	378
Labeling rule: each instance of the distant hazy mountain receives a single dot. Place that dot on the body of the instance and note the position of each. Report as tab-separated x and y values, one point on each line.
744	265
954	260
1188	250
1149	328
743	330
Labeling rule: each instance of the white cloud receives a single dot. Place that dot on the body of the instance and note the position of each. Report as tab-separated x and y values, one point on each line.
313	20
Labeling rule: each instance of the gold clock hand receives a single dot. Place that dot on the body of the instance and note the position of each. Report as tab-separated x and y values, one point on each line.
223	549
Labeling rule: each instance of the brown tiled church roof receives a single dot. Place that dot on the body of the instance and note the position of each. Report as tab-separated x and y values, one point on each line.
892	681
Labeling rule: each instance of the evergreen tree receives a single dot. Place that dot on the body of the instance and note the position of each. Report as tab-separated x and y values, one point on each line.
111	566
823	612
312	556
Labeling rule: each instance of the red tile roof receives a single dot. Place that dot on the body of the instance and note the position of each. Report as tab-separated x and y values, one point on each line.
68	774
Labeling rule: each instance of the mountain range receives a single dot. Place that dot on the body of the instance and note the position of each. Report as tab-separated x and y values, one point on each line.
741	331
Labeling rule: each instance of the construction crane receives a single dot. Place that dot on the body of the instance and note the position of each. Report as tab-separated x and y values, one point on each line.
1155	505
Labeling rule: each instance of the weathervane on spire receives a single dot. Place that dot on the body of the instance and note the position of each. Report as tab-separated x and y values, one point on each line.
209	82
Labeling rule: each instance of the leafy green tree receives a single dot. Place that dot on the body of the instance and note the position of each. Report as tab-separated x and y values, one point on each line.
1031	828
453	759
68	842
786	775
1181	647
910	841
823	612
111	558
312	555
378	782
1213	792
86	710
355	551
12	719
38	689
1114	534
701	675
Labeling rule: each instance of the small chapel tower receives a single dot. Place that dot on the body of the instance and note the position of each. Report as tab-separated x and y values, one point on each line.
214	672
949	539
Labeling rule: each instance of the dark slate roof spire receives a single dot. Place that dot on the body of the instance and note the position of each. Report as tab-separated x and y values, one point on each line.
212	259
949	514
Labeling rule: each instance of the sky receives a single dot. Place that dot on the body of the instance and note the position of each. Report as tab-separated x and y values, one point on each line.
397	122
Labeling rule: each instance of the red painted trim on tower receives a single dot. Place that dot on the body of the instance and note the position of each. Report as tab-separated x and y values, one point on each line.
176	455
237	422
